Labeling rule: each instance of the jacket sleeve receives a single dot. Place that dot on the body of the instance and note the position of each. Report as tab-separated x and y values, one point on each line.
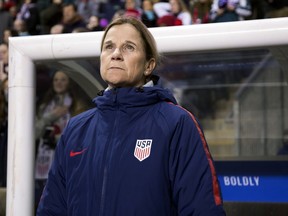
193	178
53	200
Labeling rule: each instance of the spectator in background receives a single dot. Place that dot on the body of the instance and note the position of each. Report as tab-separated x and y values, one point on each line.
148	17
51	16
200	11
71	18
230	10
9	33
3	131
29	14
94	24
21	28
87	8
4	60
55	109
176	8
131	9
6	20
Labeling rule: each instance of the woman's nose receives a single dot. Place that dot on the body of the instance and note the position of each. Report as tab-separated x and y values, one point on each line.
117	54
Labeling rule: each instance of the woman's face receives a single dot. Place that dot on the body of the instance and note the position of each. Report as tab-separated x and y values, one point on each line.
147	5
6	36
60	82
130	4
4	53
69	13
175	6
123	59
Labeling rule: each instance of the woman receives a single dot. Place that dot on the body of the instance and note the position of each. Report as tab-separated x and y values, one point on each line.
56	108
230	10
173	8
200	10
137	152
4	60
148	16
29	14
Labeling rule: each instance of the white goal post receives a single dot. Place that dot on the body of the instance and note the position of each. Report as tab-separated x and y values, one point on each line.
25	51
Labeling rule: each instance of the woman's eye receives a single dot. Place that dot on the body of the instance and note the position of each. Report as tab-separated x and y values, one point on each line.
128	47
108	47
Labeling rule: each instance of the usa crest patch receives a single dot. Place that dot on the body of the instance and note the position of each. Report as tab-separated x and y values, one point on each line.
143	149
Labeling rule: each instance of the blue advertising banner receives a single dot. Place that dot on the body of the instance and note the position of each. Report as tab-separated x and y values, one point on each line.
254	181
254	188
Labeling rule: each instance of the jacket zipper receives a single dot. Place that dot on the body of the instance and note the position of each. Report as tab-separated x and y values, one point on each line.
107	156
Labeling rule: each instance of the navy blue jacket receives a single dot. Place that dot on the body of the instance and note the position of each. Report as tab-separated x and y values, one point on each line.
137	153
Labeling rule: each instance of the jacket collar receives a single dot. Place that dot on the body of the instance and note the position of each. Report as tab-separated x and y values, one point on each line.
128	97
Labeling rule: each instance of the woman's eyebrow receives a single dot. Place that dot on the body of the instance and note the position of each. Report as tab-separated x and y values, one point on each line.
131	42
125	42
108	42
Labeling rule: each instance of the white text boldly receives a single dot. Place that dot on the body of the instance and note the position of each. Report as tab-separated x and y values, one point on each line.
241	180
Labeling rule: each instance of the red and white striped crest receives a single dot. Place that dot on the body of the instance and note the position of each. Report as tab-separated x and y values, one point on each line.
143	149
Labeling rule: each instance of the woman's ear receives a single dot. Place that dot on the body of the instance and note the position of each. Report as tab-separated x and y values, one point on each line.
149	67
